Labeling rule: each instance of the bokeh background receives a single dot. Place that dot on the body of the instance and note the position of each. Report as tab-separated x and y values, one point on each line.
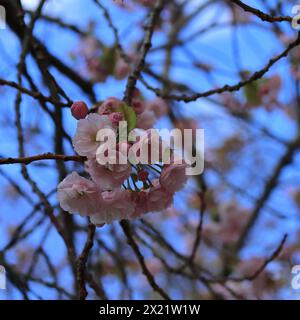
244	142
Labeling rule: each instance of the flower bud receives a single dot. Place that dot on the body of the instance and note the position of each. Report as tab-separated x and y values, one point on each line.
138	106
143	175
116	117
79	110
109	106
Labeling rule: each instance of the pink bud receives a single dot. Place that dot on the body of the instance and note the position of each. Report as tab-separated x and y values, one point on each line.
116	117
143	175
121	69
138	106
136	93
79	110
109	106
264	90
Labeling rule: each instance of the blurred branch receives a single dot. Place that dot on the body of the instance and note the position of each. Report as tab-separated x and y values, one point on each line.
271	184
229	88
45	156
263	16
127	231
33	94
82	260
133	77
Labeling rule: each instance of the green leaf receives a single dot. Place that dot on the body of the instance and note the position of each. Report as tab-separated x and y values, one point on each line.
251	91
108	59
129	116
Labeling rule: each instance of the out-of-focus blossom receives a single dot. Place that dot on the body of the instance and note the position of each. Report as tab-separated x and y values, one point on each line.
231	219
269	91
231	102
138	106
146	120
158	106
122	69
264	283
109	106
90	47
96	69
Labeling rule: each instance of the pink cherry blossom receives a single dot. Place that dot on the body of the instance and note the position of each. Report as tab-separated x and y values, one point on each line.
231	102
140	200
231	220
96	69
138	106
85	141
116	205
107	177
158	106
146	120
116	117
173	177
158	197
138	103
269	91
109	106
90	47
149	147
122	69
78	195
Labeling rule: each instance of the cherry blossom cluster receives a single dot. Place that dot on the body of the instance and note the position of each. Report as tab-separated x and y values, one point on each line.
261	93
120	190
101	61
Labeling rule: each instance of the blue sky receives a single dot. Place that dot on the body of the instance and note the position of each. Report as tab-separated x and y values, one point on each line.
256	47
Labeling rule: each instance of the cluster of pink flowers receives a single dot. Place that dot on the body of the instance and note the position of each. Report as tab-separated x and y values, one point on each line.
102	61
118	191
262	93
229	223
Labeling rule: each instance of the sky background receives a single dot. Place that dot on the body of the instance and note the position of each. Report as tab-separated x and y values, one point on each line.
256	46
